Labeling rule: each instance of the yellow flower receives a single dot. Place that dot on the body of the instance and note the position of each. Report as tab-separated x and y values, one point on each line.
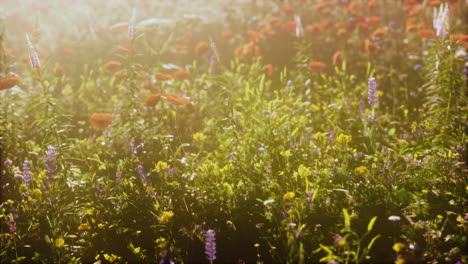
319	137
399	247
289	196
59	242
361	170
199	137
343	139
160	242
100	226
165	217
36	193
161	165
111	258
286	153
84	227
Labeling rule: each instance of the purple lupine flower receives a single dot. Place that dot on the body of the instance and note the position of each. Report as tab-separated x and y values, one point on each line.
299	28
210	244
26	173
309	196
11	224
7	163
131	25
143	175
372	91
33	56
213	62
361	107
51	162
288	89
118	176
372	95
440	20
166	258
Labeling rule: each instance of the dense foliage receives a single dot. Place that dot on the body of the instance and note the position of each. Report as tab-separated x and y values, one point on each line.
259	131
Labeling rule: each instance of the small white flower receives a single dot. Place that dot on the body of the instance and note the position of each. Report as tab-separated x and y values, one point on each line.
267	202
394	218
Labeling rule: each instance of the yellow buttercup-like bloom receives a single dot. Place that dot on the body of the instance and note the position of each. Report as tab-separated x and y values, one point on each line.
289	196
165	217
199	137
343	139
361	170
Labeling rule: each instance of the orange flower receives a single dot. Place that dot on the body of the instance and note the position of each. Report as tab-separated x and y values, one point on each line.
364	27
374	20
227	35
246	50
163	76
112	65
413	9
371	4
181	74
461	38
67	51
411	27
10	82
289	26
287	9
379	32
370	47
269	69
321	5
180	47
274	21
425	33
316	66
253	35
337	57
201	48
434	3
57	70
120	75
148	85
186	36
174	99
101	120
152	100
341	32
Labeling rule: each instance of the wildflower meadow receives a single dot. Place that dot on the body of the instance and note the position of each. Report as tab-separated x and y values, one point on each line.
224	131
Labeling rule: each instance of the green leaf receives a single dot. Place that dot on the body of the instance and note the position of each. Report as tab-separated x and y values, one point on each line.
372	242
404	196
371	224
347	218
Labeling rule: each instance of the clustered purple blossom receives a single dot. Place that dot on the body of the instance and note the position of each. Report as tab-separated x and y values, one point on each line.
372	91
51	162
33	56
131	25
12	225
26	173
118	176
210	244
299	28
166	258
143	175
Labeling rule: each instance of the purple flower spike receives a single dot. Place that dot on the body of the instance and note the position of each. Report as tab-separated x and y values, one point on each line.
143	175
210	244
26	173
372	91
